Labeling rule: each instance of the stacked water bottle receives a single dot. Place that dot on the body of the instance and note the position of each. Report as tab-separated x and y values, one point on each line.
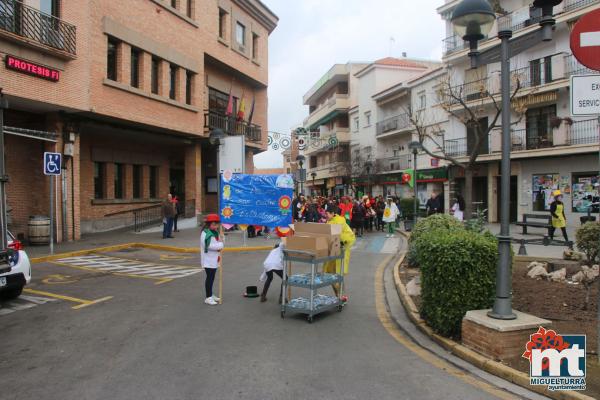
305	279
319	301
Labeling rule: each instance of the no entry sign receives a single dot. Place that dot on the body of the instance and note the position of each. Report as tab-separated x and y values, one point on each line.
585	40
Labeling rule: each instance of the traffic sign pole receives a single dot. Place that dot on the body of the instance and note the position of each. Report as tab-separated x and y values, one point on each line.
51	214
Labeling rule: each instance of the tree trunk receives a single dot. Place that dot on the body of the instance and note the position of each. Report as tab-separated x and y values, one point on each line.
468	195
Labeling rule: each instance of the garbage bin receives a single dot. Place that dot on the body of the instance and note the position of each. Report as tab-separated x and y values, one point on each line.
39	230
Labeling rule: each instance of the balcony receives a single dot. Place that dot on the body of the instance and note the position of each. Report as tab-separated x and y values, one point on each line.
455	147
332	170
570	5
471	91
573	67
231	126
396	124
391	164
517	20
336	104
583	132
328	141
24	23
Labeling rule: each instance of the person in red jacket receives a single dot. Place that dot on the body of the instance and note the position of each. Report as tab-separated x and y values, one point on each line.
346	209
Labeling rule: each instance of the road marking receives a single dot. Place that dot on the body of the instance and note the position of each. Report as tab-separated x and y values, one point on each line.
391	327
124	267
589	39
82	303
22	303
167	257
58	279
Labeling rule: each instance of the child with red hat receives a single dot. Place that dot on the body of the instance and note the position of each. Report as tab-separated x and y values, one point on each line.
210	254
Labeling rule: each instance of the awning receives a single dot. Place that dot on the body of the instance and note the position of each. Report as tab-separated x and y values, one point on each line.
432	175
30	133
534	99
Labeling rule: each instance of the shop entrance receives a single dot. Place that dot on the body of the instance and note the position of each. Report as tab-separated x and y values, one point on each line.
514	183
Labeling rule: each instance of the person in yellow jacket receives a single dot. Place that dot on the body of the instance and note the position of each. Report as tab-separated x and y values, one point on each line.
557	211
347	239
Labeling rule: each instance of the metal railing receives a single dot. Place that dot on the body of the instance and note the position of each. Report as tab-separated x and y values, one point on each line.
28	22
395	123
571	5
575	68
394	163
509	22
453	43
470	91
455	147
232	126
532	76
583	132
146	216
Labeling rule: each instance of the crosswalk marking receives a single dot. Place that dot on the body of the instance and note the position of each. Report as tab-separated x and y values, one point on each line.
22	303
130	267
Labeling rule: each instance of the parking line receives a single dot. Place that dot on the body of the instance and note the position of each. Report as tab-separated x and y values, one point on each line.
82	303
160	280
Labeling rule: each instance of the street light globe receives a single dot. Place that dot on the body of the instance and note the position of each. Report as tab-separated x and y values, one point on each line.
473	19
215	136
415	146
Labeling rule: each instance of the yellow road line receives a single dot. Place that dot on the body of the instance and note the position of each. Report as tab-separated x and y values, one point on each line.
391	327
82	302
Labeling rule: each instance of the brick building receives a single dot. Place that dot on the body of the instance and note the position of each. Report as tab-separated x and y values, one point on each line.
128	92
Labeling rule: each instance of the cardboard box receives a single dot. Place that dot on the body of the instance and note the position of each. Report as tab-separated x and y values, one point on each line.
316	245
314	227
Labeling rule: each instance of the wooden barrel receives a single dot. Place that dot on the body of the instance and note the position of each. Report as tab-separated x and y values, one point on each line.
39	230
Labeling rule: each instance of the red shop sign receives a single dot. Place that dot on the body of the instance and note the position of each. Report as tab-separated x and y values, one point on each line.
29	68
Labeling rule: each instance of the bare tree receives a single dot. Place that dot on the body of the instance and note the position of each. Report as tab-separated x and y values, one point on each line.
467	104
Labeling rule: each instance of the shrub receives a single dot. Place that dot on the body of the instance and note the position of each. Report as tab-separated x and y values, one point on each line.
588	240
458	274
424	225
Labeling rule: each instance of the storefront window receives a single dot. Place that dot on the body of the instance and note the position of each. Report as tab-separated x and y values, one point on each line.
585	191
119	181
98	180
137	181
543	186
153	181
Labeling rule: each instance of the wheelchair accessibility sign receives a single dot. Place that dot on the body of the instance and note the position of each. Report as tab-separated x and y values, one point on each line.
52	163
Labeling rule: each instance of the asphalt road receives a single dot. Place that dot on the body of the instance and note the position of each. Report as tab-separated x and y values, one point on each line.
155	339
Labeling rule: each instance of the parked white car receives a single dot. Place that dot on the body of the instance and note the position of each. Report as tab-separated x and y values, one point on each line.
13	282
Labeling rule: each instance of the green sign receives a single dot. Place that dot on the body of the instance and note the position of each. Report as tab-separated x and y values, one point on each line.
432	175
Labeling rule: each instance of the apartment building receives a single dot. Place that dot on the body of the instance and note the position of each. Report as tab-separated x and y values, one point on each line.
128	92
400	108
383	95
326	145
550	148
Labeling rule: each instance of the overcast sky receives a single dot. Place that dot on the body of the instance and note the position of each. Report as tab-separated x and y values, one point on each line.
312	35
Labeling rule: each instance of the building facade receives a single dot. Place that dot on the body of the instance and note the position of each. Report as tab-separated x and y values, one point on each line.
550	148
128	92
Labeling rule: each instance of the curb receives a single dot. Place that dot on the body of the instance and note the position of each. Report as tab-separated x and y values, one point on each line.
487	364
174	249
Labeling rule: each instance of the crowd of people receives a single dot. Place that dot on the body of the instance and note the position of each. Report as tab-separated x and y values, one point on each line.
367	214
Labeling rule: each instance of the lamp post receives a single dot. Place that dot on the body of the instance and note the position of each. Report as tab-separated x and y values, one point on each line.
301	172
473	20
313	176
415	147
215	137
368	165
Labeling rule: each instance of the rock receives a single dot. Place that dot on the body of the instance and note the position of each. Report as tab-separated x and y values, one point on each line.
558	276
413	288
587	274
537	271
573	255
534	264
572	266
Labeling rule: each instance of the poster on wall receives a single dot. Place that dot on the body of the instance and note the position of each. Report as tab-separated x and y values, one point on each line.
585	192
543	186
264	200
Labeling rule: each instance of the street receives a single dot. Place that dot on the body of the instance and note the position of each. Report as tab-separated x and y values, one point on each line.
151	336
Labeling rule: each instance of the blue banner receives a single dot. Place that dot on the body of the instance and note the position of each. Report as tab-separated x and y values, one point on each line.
256	199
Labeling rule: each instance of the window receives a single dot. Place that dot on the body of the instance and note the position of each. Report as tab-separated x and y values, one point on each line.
422	100
254	46
222	23
49	7
190	8
368	118
313	162
153	184
540	72
356	122
174	3
154	75
217	101
98	180
137	181
135	67
538	128
111	59
172	81
189	80
240	34
119	172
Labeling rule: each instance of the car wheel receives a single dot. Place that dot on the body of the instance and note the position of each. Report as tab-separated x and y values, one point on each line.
11	294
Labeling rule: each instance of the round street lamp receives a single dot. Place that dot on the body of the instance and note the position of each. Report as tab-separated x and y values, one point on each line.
301	172
215	136
472	21
368	165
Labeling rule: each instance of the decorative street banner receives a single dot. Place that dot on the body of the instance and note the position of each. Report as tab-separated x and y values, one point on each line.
256	199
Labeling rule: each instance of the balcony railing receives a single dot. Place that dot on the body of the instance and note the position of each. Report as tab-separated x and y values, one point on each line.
515	22
455	147
570	5
395	123
532	76
583	132
231	126
31	23
524	139
394	163
470	91
453	43
575	68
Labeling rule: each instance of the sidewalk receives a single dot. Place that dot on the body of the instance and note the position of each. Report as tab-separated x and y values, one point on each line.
188	237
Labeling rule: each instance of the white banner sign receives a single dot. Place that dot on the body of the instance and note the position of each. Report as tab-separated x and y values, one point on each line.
585	95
